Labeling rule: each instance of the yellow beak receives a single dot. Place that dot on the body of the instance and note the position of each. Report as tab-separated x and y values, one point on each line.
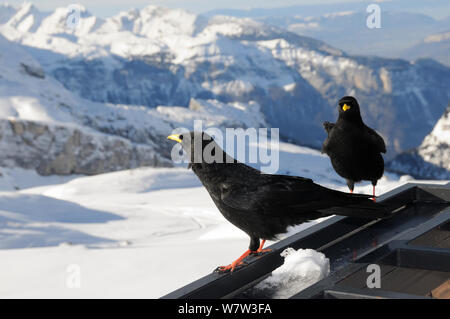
174	137
345	107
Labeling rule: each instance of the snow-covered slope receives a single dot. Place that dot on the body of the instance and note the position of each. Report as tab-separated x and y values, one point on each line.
159	56
125	232
48	128
432	158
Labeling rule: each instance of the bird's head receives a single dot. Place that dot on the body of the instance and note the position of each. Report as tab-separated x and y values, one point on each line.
199	147
349	108
184	139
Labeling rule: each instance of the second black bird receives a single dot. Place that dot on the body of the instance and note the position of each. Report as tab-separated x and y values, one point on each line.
353	147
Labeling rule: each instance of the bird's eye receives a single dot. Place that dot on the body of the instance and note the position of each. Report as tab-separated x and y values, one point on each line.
181	137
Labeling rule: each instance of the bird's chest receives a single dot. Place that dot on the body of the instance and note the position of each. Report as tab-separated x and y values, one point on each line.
224	185
347	142
212	180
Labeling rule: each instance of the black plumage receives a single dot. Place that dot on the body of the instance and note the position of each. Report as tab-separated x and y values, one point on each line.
264	205
353	147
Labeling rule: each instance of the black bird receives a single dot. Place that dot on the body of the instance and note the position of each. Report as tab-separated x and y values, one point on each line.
353	147
263	205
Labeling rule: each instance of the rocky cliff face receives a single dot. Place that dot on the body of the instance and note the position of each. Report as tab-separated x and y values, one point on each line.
63	150
431	159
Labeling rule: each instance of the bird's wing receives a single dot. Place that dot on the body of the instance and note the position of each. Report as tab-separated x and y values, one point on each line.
265	192
281	194
328	126
376	139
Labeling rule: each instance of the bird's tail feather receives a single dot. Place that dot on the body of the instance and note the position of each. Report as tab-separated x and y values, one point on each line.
358	205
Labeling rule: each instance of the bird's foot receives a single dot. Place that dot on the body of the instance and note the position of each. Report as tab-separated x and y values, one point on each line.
237	263
230	268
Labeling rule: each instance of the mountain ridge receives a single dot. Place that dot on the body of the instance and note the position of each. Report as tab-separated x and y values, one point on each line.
158	56
431	160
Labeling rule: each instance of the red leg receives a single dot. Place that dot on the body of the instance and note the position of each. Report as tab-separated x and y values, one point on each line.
374	199
261	246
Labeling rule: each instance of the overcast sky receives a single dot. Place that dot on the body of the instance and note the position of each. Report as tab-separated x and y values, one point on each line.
106	8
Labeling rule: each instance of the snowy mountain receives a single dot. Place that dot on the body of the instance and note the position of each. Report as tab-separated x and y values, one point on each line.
46	127
431	160
157	56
